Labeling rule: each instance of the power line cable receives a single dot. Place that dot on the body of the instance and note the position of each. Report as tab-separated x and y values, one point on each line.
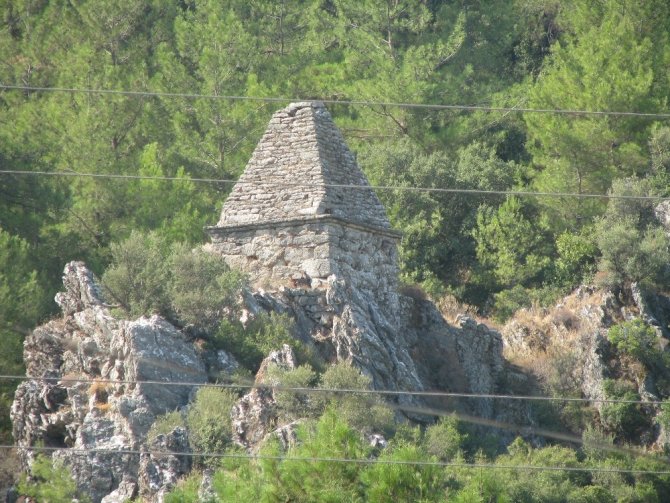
342	391
361	461
268	99
518	193
526	430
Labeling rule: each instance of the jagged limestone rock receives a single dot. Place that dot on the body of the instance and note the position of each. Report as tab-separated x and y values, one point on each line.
662	212
255	414
166	462
89	344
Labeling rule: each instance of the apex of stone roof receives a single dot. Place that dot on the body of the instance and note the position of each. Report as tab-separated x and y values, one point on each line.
302	169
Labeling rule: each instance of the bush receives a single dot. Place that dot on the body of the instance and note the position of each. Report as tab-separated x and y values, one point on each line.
508	302
633	245
262	334
186	490
291	404
139	273
51	481
663	417
576	257
636	339
149	275
444	439
625	420
208	420
365	412
202	286
632	255
511	245
165	424
387	481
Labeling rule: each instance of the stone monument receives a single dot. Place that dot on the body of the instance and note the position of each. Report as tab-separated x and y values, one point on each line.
303	210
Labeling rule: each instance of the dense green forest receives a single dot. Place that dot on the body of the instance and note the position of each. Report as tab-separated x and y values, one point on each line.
494	252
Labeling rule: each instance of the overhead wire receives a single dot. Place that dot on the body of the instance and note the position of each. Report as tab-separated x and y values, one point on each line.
275	99
360	461
356	391
517	193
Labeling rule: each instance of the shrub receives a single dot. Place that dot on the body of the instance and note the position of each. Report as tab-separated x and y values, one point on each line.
291	404
663	418
444	439
510	301
138	275
51	481
387	481
186	490
149	275
632	255
202	286
636	339
513	246
365	412
576	257
634	246
208	419
623	419
262	334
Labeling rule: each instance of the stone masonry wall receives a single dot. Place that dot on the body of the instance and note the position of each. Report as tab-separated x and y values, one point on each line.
309	251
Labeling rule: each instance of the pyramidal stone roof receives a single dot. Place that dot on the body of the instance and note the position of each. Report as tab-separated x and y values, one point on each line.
302	169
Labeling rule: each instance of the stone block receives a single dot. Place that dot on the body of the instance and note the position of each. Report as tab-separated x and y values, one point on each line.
298	255
318	268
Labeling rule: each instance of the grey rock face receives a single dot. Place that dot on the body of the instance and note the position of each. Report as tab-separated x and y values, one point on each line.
167	461
410	350
103	417
255	414
662	212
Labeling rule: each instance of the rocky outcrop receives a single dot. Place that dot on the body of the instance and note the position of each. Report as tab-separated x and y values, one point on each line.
577	325
413	349
572	337
97	387
255	414
167	459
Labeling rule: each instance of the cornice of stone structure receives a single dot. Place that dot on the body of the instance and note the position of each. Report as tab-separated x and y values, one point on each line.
222	230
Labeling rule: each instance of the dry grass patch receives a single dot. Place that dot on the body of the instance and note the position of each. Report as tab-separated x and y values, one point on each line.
450	308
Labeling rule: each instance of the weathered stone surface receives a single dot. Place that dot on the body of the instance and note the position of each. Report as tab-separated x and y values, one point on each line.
255	414
662	212
166	462
412	349
126	491
81	289
302	145
89	344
